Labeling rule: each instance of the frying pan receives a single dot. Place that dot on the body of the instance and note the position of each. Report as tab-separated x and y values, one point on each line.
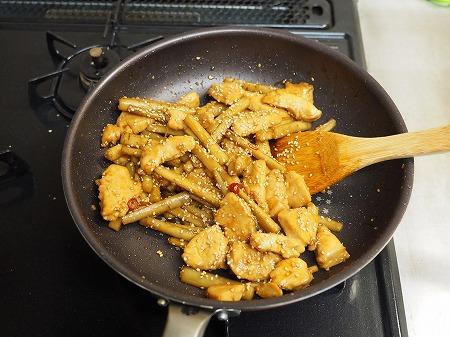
370	202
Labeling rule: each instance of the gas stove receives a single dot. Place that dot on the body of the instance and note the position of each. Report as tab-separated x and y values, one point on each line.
52	283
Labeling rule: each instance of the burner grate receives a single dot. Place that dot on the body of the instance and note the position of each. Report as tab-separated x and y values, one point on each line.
78	71
273	13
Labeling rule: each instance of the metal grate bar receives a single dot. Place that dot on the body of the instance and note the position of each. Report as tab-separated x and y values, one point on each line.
293	13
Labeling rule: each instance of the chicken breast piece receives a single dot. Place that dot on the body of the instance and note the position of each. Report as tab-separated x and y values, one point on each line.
226	92
260	116
251	264
255	182
268	290
300	223
226	292
236	217
116	188
276	193
171	148
302	89
291	274
111	135
113	153
207	250
207	112
191	100
299	107
177	114
133	123
238	165
329	250
284	245
297	191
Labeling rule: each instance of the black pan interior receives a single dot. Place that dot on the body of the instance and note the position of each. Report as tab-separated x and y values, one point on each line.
370	203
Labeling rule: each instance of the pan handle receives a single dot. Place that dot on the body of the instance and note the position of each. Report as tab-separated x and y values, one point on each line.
186	321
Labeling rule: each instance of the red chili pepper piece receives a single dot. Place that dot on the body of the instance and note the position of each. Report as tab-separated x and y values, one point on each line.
133	204
234	187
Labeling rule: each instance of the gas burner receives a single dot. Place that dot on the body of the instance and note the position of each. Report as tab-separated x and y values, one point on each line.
78	72
94	64
82	69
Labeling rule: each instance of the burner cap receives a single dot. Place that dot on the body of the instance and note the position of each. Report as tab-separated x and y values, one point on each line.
94	64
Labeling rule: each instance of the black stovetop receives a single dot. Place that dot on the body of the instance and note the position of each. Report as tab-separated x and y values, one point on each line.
53	284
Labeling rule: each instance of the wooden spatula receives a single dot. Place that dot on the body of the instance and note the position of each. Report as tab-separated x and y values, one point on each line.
324	158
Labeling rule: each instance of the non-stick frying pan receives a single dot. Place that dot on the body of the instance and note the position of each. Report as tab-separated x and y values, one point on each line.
370	203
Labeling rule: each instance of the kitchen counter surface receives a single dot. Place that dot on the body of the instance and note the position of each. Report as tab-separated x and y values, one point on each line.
407	48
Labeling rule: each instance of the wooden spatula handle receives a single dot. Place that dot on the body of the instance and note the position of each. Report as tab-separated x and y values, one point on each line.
373	150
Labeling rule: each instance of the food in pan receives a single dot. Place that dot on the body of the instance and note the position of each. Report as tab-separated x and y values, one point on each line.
205	176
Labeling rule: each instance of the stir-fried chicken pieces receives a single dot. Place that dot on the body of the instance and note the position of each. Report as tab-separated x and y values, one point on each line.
207	112
300	223
295	101
129	122
297	191
111	135
226	92
236	217
286	246
291	274
207	250
226	292
268	290
116	188
255	182
250	264
276	193
329	250
171	148
191	100
205	176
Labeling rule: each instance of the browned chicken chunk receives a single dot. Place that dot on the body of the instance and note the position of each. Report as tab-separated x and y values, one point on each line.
268	290
250	122
291	274
191	100
251	264
297	191
226	92
207	112
226	292
300	223
114	153
286	246
129	122
302	89
300	107
177	114
255	182
116	188
171	148
111	135
260	116
329	250
276	193
236	217
207	250
239	164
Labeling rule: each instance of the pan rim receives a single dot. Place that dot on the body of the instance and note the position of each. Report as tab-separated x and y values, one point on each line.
187	299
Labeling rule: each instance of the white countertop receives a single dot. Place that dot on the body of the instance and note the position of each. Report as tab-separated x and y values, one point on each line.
407	47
